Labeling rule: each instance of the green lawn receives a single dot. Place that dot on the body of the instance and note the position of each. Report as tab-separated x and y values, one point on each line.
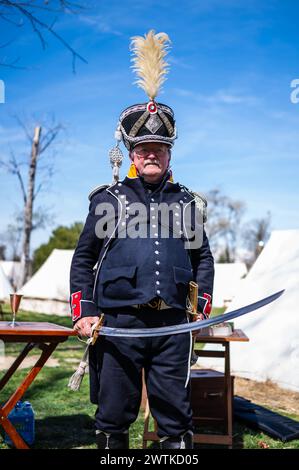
64	419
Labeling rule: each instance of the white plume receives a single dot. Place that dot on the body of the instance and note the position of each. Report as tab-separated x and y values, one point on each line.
148	57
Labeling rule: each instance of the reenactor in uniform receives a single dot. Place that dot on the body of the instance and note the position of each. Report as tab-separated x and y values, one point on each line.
142	281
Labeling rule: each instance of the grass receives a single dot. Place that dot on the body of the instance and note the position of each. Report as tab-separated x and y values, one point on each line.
64	419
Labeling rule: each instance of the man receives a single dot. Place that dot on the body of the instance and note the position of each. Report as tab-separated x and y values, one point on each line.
144	266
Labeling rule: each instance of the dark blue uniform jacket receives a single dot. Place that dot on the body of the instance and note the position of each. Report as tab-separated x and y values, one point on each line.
132	269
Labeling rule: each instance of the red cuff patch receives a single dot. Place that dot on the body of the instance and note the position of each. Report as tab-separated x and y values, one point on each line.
76	305
208	306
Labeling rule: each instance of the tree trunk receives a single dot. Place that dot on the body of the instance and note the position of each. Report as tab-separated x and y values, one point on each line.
28	209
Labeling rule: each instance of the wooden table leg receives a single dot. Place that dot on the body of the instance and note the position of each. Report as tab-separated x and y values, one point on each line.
47	350
9	373
12	432
228	387
16	396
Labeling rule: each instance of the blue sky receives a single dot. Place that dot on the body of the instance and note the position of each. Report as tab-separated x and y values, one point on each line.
232	63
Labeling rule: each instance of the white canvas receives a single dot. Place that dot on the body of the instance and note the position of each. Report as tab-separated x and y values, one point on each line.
273	350
227	282
5	286
12	270
48	289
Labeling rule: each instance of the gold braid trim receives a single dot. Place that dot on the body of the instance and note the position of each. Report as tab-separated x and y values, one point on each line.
167	123
138	124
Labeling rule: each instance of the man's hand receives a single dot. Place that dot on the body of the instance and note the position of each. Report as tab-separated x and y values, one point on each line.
83	326
197	317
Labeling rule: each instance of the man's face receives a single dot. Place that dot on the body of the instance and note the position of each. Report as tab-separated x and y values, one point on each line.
151	160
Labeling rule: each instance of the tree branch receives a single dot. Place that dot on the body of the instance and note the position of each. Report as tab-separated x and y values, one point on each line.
13	167
37	191
17	172
37	25
12	65
23	126
49	137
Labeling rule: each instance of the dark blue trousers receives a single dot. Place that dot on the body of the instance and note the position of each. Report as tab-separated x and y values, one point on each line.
165	361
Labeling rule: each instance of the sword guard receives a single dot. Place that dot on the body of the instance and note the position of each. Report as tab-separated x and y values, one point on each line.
97	329
192	301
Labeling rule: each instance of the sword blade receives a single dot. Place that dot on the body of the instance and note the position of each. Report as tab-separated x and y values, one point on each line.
187	327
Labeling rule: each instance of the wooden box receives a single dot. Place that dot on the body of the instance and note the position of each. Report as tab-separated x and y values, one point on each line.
209	397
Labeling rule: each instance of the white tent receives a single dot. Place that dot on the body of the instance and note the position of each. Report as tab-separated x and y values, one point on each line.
48	289
5	286
273	350
227	282
12	270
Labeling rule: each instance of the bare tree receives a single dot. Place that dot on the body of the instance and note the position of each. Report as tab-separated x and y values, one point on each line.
12	237
255	234
40	141
2	252
41	16
223	225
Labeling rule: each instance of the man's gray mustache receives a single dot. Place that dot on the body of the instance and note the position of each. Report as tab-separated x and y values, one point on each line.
152	163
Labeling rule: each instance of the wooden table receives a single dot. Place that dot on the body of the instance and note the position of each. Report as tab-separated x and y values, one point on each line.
225	341
227	438
46	337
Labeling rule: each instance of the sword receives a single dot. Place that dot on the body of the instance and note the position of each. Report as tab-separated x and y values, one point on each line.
187	327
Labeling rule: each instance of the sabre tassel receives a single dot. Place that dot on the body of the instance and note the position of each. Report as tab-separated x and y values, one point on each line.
76	379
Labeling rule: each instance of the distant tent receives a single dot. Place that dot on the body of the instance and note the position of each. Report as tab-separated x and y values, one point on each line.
12	270
48	289
227	282
5	286
273	350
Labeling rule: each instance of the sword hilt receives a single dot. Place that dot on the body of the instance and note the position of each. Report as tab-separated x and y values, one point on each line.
97	329
192	300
